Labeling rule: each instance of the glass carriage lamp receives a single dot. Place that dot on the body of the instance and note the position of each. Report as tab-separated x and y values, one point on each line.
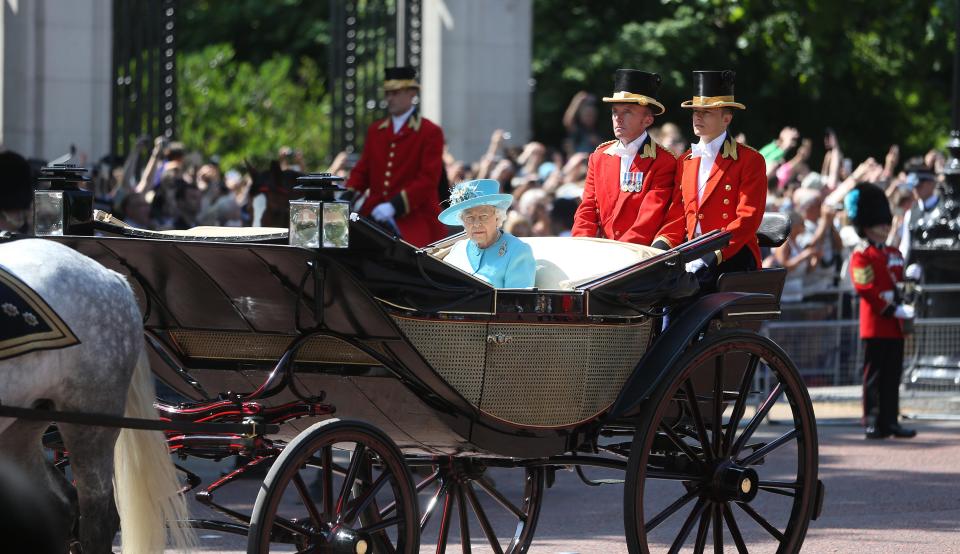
61	205
318	220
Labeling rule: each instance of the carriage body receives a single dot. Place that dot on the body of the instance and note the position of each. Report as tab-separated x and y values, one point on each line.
448	367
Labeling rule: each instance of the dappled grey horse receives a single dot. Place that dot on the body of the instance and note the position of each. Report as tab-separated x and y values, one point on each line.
104	369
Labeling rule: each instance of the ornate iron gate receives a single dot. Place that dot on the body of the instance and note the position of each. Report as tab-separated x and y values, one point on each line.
366	36
144	99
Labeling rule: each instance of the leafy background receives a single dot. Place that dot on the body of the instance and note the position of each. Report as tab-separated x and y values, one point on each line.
879	71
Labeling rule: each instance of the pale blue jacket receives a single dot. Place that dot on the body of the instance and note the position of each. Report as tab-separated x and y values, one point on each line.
507	263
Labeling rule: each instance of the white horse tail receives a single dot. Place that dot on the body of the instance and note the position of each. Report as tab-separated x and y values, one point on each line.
146	486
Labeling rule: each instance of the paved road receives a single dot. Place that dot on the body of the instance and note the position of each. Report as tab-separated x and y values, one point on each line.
882	496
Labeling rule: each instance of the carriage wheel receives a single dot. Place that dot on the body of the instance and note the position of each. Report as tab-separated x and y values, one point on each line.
704	470
327	491
505	504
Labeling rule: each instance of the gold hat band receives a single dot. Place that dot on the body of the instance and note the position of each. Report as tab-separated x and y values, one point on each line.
397	84
643	100
712	102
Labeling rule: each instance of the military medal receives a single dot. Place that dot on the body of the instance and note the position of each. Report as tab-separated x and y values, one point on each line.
632	181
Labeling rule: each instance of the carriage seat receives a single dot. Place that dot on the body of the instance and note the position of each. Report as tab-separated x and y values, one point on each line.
563	263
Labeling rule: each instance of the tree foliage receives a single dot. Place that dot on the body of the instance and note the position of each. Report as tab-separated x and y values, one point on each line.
877	71
238	110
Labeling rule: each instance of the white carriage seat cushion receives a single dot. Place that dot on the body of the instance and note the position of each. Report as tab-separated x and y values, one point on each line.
563	263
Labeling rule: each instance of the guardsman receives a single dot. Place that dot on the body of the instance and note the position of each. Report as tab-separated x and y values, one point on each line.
630	180
723	183
395	180
875	269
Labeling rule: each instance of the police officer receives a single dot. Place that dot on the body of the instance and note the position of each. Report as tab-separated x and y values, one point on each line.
630	181
875	269
396	178
723	184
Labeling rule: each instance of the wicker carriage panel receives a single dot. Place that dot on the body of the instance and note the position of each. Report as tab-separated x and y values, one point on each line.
216	345
555	375
456	350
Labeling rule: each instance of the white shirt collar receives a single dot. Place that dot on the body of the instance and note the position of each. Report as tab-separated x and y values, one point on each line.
710	149
629	150
399	120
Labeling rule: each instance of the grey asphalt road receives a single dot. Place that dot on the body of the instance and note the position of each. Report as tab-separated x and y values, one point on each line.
882	496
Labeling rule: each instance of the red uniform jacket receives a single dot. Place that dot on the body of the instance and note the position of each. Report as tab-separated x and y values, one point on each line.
403	169
629	216
875	271
734	197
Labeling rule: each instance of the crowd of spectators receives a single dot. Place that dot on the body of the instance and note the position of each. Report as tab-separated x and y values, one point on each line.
176	188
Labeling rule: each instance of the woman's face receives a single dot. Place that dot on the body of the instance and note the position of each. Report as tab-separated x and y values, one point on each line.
480	223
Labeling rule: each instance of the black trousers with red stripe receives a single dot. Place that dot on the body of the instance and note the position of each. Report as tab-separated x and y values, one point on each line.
882	370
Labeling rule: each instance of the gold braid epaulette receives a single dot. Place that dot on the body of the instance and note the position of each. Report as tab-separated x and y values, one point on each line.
660	146
601	145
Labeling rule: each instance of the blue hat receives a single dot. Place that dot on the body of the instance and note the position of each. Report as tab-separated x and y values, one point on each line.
470	194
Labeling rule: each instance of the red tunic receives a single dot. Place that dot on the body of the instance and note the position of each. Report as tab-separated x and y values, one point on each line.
875	271
629	216
403	169
734	197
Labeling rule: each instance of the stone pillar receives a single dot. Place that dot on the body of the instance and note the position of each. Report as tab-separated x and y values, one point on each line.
476	71
55	71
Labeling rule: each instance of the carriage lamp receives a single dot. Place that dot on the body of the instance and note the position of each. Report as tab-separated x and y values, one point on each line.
318	220
61	205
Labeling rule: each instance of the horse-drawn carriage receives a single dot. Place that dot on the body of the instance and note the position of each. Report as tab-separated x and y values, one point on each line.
391	394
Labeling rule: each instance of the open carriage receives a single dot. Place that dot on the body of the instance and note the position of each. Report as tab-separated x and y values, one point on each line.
398	397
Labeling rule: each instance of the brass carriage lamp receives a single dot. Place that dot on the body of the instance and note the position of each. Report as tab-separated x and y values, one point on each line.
61	205
319	220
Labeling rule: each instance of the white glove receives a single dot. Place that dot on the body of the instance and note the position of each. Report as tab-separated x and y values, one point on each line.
384	212
887	296
913	273
904	311
694	266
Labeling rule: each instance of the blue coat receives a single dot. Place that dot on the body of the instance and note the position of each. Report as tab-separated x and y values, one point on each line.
507	263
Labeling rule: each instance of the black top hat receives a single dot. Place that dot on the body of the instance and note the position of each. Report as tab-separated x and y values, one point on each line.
713	89
866	206
636	87
396	78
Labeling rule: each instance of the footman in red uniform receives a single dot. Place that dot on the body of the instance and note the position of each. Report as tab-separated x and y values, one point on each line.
630	181
723	183
395	181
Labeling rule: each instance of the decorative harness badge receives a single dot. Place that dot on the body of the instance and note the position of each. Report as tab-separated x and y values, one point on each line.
27	323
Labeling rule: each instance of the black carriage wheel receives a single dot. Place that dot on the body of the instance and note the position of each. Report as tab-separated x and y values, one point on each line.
333	476
702	471
501	511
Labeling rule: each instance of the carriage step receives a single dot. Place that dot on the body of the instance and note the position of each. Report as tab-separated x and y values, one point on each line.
818	499
596	482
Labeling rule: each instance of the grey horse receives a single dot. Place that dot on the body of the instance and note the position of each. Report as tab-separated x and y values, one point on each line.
107	372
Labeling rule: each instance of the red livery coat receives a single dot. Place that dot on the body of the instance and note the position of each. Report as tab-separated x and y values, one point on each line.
403	169
875	271
734	197
638	217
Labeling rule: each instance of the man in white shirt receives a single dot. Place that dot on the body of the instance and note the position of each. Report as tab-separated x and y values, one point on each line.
926	199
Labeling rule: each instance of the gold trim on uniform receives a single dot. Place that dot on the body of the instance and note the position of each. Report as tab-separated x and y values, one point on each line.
633	98
383	124
712	102
863	275
729	148
398	84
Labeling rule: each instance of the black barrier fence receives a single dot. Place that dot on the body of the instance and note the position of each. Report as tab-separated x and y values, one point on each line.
144	98
366	37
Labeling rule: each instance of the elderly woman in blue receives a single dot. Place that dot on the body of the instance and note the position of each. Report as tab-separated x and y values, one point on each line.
489	253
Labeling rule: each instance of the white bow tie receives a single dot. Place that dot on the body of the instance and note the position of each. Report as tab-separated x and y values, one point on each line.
628	151
701	151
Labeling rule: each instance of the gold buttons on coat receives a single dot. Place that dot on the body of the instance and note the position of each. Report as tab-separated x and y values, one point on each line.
725	216
699	216
726	201
392	144
391	154
386	183
389	164
387	173
727	187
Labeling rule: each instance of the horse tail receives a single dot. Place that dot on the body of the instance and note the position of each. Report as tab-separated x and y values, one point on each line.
146	486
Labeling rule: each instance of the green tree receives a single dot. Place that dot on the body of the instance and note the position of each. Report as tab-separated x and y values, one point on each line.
878	71
239	110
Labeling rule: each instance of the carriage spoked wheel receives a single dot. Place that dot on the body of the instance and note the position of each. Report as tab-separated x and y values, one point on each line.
338	487
706	471
496	507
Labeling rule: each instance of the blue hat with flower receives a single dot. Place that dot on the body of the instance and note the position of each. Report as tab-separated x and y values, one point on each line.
470	194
